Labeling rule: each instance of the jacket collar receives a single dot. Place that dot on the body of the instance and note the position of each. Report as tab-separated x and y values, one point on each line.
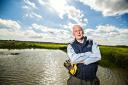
85	39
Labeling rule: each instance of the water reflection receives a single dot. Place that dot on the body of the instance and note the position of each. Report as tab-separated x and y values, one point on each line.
45	67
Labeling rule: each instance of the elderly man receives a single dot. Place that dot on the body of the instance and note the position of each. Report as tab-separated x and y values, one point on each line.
85	54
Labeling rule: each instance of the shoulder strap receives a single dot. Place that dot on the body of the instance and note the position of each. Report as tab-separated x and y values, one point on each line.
90	42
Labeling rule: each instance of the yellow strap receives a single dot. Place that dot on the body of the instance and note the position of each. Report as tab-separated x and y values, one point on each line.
73	70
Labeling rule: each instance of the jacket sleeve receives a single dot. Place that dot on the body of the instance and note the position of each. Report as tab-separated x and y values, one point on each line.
94	56
76	58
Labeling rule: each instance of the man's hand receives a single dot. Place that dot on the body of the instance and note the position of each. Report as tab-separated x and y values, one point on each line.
67	64
72	68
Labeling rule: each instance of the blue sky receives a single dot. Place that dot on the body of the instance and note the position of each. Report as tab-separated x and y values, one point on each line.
104	21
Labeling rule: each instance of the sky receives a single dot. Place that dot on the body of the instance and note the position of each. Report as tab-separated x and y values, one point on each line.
104	21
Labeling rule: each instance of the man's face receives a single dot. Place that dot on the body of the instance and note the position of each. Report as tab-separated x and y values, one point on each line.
78	32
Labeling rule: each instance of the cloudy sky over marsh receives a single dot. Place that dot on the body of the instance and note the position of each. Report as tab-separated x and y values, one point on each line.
105	21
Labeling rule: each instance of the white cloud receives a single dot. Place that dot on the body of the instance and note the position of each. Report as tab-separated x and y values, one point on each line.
108	7
124	31
36	15
109	35
48	34
104	34
33	15
41	2
107	29
33	33
62	7
31	4
68	26
52	32
76	15
29	9
10	24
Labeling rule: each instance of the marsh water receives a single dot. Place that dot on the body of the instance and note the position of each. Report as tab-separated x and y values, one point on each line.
45	67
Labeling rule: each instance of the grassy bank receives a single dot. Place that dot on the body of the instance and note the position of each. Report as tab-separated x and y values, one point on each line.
11	44
112	56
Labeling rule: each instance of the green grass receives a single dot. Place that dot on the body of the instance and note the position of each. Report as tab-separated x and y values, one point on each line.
114	56
27	44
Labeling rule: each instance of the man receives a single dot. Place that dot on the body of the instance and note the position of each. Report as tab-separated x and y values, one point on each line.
84	53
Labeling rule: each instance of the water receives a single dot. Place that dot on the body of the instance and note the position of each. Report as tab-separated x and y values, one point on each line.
45	67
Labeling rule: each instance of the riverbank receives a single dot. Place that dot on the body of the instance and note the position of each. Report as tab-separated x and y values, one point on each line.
112	56
12	44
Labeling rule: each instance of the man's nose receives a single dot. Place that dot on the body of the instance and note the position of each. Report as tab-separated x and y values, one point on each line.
78	32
